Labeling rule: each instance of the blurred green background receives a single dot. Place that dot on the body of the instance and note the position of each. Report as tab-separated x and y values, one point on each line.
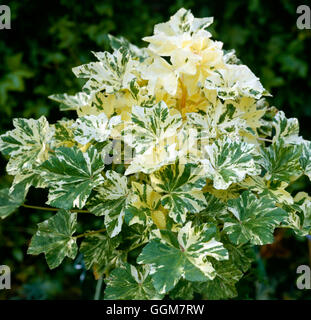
48	38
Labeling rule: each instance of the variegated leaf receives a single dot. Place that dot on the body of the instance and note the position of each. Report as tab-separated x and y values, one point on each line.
180	186
299	214
131	283
94	128
214	211
281	161
152	134
173	34
223	285
111	201
83	103
241	256
229	118
9	202
153	159
72	102
71	176
234	81
305	206
25	180
217	120
275	190
287	129
135	52
151	127
100	253
227	161
160	74
305	158
253	219
63	134
182	291
143	207
111	73
54	238
27	144
232	192
184	256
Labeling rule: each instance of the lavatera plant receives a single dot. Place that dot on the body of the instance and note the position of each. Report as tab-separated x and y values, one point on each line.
178	155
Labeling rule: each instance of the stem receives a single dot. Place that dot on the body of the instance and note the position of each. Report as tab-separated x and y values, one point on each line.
264	139
51	209
89	233
183	95
98	288
136	246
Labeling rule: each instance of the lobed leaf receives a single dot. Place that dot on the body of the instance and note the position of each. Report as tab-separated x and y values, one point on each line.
54	238
72	175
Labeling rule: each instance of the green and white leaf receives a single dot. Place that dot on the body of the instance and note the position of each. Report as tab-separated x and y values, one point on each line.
151	127
54	238
111	201
299	214
9	202
217	120
153	159
72	175
253	219
143	201
94	128
27	144
281	161
170	35
25	180
305	158
72	102
131	283
223	285
83	103
135	52
287	129
63	134
275	190
100	253
160	74
241	256
235	81
215	210
136	235
227	161
182	291
181	188
111	73
184	256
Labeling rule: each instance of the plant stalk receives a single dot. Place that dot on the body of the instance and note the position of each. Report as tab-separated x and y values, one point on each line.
98	288
51	209
89	233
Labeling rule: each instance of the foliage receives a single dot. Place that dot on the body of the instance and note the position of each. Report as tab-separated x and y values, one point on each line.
159	104
37	65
